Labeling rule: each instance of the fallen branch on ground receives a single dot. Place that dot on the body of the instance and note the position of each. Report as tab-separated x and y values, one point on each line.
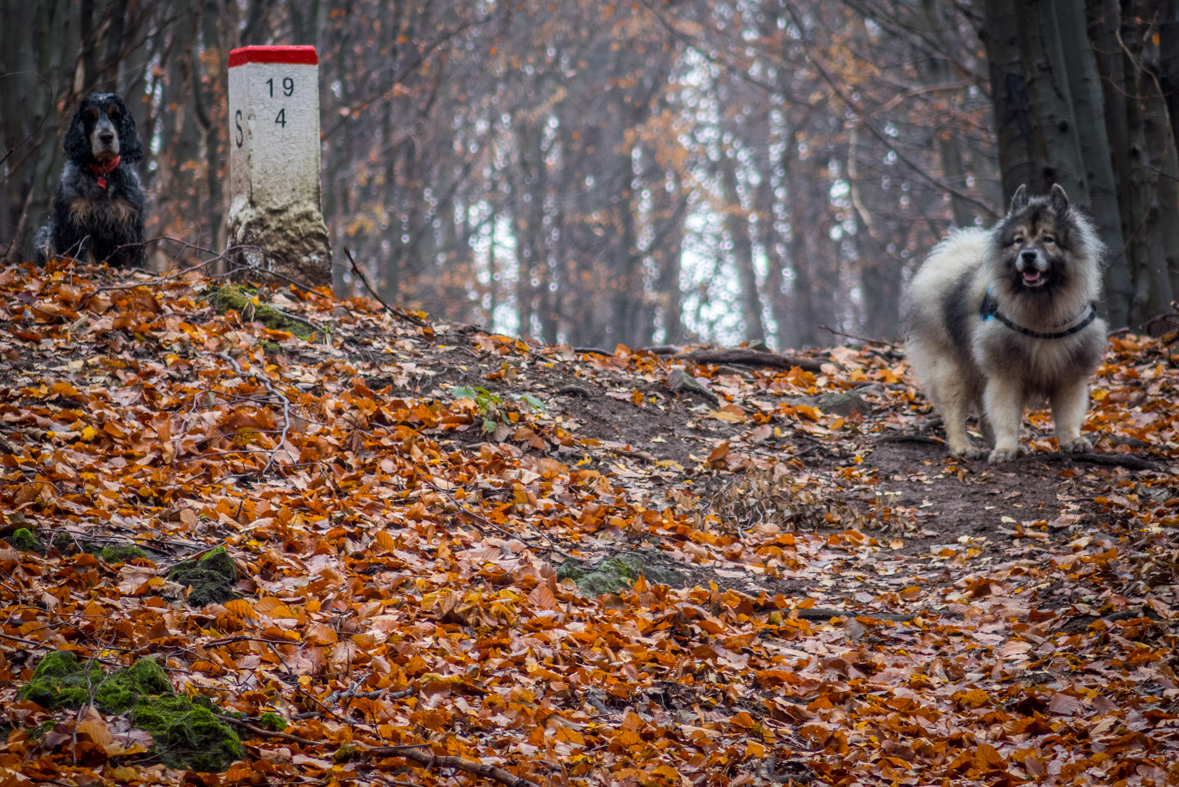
1129	461
753	358
433	761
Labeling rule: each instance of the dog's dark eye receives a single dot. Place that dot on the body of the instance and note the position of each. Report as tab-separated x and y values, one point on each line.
94	113
1049	239
111	111
1017	239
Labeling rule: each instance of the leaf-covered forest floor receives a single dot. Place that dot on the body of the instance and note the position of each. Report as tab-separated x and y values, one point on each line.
827	598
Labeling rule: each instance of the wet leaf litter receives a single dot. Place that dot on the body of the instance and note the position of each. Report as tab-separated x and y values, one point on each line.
360	553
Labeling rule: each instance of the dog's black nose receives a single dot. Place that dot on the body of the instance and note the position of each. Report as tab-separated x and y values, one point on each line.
1029	257
106	137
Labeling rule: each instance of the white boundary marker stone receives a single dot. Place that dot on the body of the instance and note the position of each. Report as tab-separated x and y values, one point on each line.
274	164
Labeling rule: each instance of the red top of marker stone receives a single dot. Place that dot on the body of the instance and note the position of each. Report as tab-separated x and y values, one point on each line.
299	55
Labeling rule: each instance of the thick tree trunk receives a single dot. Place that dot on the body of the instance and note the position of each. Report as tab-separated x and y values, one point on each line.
1104	23
115	41
880	272
737	228
935	70
1168	22
89	33
1144	277
43	76
1058	143
1088	109
1164	224
1058	147
1009	97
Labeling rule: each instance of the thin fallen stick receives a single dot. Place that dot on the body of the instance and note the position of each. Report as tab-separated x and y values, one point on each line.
245	725
891	345
373	291
286	407
458	763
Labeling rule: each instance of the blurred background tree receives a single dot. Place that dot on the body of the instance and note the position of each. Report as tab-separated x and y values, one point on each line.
658	171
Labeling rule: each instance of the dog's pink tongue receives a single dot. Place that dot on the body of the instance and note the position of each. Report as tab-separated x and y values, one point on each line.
1031	275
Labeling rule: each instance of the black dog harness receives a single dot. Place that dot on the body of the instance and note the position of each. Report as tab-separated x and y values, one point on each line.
990	308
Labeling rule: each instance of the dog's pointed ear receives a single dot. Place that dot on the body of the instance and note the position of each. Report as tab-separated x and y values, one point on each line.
1058	199
1019	200
75	144
130	148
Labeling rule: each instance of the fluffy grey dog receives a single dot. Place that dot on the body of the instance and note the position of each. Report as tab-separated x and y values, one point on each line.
997	320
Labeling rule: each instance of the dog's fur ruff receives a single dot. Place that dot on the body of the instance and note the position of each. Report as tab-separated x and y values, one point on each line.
1042	265
87	221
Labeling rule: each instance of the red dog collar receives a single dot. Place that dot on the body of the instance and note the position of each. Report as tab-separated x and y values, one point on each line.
100	171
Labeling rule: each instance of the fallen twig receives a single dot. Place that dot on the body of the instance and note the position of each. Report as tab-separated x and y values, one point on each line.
458	763
908	438
752	358
891	345
245	725
398	313
286	407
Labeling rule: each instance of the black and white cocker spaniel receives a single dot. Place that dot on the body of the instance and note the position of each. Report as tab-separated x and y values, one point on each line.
97	214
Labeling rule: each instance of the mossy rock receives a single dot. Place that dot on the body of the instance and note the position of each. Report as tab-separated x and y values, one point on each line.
186	732
121	553
211	577
616	573
24	540
245	302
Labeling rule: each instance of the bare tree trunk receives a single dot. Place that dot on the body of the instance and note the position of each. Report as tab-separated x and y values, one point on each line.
1009	97
1104	23
1088	109
1145	278
1164	224
89	45
43	76
213	211
935	71
1058	144
737	228
114	45
880	272
1168	20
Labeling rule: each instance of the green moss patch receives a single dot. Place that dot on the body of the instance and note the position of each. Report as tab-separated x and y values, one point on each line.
121	553
186	732
67	544
272	721
211	578
615	573
245	302
24	540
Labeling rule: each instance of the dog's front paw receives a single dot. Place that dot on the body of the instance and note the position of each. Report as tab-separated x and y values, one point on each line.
1076	446
1000	455
968	452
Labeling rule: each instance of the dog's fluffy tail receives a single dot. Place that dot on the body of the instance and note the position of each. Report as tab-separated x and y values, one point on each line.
43	249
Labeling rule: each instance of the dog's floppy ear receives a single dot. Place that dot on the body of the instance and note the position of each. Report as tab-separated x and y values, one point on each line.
1058	199
1019	200
129	146
77	147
